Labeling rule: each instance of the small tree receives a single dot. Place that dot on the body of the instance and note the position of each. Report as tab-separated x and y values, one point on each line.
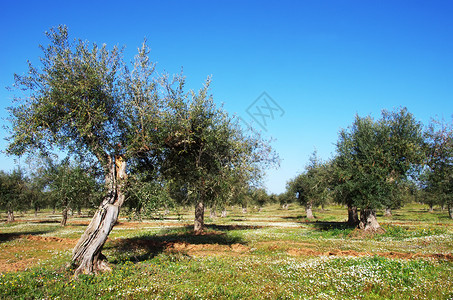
70	186
208	151
13	191
312	186
438	176
260	198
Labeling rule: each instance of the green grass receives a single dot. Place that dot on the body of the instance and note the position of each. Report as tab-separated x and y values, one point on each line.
142	267
255	277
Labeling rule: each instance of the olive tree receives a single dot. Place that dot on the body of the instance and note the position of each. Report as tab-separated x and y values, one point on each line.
208	154
70	186
84	99
13	192
312	186
438	174
373	159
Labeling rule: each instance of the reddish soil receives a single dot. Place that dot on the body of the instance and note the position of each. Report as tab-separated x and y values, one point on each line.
30	251
311	252
181	247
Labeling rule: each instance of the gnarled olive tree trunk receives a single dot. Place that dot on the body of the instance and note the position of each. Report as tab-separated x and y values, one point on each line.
64	216
309	210
198	225
244	208
353	216
10	216
213	212
87	256
368	220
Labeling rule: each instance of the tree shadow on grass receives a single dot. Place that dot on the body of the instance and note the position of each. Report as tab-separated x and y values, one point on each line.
56	221
294	218
227	228
141	248
5	237
326	226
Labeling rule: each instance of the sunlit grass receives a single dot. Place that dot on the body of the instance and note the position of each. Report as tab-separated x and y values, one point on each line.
146	267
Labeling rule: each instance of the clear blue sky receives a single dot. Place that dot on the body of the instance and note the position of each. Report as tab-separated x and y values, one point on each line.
322	62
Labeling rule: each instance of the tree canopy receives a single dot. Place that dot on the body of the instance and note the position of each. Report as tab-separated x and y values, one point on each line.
312	186
437	178
85	100
374	158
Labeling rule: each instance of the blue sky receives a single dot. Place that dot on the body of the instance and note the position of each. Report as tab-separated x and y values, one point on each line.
321	62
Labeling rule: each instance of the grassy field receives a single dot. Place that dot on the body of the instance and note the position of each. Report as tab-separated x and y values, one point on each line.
271	254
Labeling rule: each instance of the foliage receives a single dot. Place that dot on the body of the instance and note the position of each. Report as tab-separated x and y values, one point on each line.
437	179
374	158
146	195
312	187
208	157
13	191
71	186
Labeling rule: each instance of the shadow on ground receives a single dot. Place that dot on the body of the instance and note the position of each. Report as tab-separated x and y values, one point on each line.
146	247
325	226
5	237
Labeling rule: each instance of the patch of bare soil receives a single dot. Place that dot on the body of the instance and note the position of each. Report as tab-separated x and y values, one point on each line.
51	239
365	234
336	252
207	249
128	224
30	250
182	247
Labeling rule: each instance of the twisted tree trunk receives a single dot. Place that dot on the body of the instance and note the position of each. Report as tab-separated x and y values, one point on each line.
309	211
87	256
353	216
213	213
64	215
388	212
368	220
450	210
244	208
198	225
10	216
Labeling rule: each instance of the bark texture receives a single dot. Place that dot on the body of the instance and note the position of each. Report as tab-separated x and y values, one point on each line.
368	221
10	217
450	210
309	211
353	216
198	225
64	216
388	212
87	256
213	213
223	214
